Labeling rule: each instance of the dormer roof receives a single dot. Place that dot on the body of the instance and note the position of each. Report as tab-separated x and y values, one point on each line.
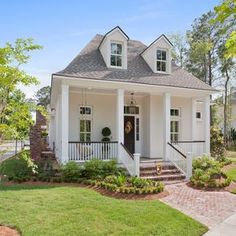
112	30
156	40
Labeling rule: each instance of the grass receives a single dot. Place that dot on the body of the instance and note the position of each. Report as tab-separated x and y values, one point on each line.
47	210
231	155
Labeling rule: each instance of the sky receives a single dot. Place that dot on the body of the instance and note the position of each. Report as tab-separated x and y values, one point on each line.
64	27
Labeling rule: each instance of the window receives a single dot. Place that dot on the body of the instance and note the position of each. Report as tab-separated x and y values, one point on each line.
175	112
137	129
131	110
116	54
85	110
174	130
161	60
85	130
85	122
198	115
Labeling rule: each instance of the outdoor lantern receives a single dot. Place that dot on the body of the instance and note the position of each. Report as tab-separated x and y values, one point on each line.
132	104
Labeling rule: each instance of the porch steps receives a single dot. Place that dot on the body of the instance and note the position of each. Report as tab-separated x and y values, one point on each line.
169	174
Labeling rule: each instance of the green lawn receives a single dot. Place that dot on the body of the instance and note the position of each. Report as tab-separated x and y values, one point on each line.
232	173
77	211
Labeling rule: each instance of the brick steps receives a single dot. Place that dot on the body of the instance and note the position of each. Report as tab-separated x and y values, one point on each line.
169	173
154	173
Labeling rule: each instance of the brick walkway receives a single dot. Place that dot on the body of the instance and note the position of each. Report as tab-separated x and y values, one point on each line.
210	208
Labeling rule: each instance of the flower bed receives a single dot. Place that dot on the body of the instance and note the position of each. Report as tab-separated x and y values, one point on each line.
105	175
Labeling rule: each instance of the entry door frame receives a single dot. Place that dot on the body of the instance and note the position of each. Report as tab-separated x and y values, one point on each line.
137	143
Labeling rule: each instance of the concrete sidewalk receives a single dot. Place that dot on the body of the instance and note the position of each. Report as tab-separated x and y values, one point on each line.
226	228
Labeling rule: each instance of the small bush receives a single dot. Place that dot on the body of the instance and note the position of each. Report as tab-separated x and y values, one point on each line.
71	172
217	143
18	168
207	173
98	169
139	183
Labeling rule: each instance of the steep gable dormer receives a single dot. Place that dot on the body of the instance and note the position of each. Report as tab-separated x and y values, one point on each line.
158	55
113	48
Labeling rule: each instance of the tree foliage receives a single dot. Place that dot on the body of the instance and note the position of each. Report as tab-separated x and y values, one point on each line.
43	96
226	14
15	116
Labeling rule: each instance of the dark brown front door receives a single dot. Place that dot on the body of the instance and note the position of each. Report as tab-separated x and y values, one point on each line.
129	133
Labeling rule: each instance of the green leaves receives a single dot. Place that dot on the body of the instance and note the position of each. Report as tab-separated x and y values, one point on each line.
15	116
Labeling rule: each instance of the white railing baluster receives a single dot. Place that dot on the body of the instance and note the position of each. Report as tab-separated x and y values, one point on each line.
83	151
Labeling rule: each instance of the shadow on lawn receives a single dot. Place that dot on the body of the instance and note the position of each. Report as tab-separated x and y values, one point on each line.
19	187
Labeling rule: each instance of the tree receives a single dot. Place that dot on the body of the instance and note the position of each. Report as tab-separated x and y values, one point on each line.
12	101
203	41
227	70
226	14
43	96
179	48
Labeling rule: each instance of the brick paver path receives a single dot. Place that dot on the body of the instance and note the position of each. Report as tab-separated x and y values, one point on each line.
208	207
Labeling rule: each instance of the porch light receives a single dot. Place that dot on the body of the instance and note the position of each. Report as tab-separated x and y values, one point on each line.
132	104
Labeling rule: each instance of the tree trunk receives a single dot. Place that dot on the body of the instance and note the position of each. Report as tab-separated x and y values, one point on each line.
226	107
210	81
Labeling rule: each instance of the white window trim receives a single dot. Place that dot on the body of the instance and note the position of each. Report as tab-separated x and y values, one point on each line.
175	108
121	55
177	118
166	61
198	119
86	117
179	133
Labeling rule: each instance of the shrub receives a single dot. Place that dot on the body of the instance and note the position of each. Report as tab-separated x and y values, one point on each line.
18	168
98	169
71	172
217	143
207	173
139	183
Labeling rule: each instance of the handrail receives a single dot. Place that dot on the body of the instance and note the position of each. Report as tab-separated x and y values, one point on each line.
93	142
189	141
177	150
126	149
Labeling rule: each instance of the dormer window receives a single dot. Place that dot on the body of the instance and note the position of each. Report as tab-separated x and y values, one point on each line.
161	60
116	54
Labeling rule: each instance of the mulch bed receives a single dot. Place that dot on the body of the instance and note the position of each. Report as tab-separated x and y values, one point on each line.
8	231
100	190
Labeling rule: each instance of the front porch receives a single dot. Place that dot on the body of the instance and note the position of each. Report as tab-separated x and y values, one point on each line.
164	120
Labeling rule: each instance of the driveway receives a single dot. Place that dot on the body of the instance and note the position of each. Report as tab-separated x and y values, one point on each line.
7	149
208	207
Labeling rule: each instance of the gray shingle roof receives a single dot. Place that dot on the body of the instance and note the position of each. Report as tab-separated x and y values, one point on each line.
90	64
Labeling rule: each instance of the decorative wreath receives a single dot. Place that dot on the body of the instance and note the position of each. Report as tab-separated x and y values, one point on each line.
128	127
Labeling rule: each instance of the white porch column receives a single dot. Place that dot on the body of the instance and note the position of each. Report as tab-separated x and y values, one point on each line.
193	125
207	124
120	119
64	122
166	124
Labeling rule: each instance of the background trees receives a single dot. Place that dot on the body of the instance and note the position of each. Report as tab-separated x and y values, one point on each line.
15	117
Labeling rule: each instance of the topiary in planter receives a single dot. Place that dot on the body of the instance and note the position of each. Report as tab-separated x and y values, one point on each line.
106	133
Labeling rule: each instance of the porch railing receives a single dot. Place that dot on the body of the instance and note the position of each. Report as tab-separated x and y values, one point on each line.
84	151
130	161
178	158
195	147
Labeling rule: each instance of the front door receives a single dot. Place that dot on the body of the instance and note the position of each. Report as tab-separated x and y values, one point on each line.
129	133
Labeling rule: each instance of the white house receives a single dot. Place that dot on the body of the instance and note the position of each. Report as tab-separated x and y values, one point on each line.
153	108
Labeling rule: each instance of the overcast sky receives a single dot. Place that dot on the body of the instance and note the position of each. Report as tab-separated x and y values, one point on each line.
63	27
